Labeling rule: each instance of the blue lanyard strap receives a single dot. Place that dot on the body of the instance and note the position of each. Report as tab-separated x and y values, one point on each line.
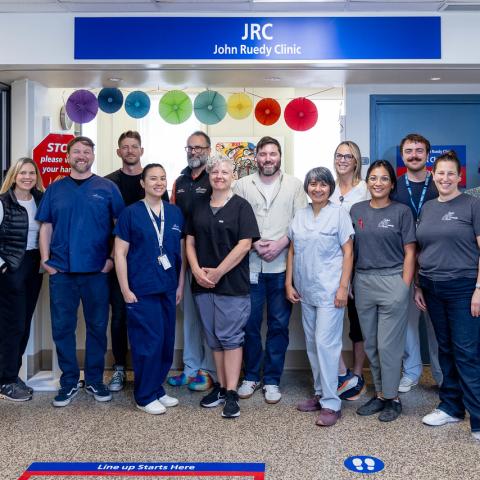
422	196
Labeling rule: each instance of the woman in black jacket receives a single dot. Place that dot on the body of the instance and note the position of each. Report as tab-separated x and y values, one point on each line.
20	280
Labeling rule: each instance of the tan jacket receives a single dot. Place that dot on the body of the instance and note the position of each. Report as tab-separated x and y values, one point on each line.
273	221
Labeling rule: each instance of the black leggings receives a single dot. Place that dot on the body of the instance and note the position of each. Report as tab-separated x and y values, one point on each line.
19	292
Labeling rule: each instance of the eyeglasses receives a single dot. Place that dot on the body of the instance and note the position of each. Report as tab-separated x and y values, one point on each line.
374	179
196	149
348	157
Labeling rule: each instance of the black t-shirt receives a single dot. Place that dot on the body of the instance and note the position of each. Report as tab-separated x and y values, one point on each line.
216	236
400	194
129	186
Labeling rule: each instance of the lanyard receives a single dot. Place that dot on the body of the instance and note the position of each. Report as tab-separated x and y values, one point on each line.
422	196
155	226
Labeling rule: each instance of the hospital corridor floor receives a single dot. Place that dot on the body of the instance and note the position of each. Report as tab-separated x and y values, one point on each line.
286	440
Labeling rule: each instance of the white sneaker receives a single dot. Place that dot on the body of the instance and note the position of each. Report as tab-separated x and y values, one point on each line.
272	393
154	408
406	384
476	436
168	401
248	388
439	417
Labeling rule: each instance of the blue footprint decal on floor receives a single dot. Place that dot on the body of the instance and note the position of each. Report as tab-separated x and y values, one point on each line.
364	464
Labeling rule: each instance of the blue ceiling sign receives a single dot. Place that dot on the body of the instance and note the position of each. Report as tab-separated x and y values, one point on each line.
257	38
364	464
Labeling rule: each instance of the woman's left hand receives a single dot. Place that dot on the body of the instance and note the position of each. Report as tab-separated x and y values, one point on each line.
341	297
475	305
213	274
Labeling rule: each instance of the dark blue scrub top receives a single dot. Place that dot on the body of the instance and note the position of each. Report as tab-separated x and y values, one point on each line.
145	275
82	219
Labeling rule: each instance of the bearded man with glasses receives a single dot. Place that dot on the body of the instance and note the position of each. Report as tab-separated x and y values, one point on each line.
191	186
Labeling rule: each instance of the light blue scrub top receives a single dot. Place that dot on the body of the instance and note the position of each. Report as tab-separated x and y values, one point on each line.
317	243
82	218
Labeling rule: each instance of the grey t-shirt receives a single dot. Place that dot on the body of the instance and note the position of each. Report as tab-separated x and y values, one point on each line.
380	236
447	237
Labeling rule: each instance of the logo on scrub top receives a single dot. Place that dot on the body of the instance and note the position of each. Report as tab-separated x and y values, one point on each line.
449	216
176	227
385	223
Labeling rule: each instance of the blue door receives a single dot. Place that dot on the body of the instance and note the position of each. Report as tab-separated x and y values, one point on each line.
443	119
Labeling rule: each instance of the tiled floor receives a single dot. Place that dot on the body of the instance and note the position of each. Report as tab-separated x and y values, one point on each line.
287	441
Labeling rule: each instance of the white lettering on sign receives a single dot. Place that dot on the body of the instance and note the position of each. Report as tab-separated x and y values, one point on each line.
57	147
256	31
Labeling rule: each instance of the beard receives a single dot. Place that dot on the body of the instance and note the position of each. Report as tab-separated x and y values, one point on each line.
269	170
195	162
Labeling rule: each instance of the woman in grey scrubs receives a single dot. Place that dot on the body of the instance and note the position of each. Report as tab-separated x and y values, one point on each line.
384	268
449	286
319	265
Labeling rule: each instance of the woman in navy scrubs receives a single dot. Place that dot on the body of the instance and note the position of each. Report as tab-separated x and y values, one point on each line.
148	259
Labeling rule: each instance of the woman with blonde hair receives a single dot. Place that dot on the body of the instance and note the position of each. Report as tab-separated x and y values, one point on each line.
20	280
349	190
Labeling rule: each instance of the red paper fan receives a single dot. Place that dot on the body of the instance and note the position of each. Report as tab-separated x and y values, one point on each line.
301	114
267	111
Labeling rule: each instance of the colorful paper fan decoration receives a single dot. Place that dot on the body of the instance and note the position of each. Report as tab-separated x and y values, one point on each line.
210	107
239	106
267	111
137	104
175	107
110	100
301	114
82	106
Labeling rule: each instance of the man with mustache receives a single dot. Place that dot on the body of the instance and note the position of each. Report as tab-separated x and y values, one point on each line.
414	189
192	185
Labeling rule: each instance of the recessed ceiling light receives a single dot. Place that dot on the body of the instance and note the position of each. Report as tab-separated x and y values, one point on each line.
115	79
435	79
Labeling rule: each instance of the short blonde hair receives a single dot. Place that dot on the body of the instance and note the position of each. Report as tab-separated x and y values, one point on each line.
217	159
14	170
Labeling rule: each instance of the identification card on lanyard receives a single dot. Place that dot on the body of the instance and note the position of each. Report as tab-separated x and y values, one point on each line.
162	258
417	208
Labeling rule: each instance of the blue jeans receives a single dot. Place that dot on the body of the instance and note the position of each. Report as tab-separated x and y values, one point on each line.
458	336
270	288
66	291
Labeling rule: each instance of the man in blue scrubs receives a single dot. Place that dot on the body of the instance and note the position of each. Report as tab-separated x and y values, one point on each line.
77	215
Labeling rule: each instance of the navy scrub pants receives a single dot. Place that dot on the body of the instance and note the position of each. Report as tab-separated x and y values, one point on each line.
66	291
151	331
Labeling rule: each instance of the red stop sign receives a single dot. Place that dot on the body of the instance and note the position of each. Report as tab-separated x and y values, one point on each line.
50	156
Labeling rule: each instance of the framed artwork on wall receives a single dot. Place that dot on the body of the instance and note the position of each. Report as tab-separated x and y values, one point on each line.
241	150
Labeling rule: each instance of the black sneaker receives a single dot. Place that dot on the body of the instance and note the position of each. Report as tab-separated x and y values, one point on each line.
231	408
65	395
374	405
25	386
392	410
215	397
100	392
14	392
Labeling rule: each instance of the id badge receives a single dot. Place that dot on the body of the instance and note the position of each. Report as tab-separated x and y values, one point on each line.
254	278
164	262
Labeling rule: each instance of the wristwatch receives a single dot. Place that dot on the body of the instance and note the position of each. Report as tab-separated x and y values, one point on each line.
477	285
